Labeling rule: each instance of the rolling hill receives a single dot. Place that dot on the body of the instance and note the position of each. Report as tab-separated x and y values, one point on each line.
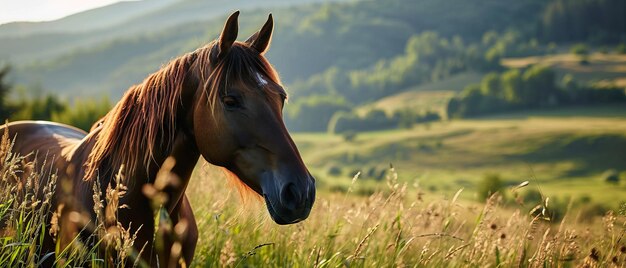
23	41
311	36
563	151
428	97
89	20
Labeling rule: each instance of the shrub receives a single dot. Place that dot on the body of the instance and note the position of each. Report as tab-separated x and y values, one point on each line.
373	120
349	136
621	48
579	49
334	170
592	211
489	185
83	113
611	176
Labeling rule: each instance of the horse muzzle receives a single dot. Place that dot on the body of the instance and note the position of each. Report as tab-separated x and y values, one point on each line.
290	201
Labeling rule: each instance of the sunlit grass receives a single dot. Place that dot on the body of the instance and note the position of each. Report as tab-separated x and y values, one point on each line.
399	225
411	218
28	218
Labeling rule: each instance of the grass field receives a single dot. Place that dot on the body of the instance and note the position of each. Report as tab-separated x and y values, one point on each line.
422	213
562	151
428	216
423	219
399	225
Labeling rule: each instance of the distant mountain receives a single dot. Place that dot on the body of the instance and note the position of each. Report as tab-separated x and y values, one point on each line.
89	20
311	36
21	42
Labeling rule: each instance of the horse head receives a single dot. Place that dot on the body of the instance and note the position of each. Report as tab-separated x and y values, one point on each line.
237	121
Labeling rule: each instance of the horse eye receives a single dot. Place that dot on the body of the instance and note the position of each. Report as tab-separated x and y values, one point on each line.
231	102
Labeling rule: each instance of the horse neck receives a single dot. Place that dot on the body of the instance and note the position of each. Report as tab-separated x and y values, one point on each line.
185	155
184	152
181	147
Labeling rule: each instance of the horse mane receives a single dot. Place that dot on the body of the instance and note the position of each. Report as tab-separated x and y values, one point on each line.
144	120
130	131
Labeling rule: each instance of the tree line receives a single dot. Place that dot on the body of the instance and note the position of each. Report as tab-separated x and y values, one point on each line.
20	103
535	87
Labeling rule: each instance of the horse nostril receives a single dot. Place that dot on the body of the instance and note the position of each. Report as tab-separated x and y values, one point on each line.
290	196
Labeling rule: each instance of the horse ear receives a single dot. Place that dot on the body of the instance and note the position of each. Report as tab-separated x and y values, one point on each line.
229	34
261	39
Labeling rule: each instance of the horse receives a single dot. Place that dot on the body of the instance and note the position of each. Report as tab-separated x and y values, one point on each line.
222	101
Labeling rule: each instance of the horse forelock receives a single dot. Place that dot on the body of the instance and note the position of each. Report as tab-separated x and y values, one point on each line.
241	65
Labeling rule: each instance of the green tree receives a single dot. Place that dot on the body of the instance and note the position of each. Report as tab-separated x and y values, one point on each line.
539	86
314	112
38	108
5	88
491	86
580	49
83	114
512	86
489	185
621	48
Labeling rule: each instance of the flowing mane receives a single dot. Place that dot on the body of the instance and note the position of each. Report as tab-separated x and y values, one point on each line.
145	118
130	132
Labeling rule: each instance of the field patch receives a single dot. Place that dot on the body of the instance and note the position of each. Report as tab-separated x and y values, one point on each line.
549	147
428	97
602	68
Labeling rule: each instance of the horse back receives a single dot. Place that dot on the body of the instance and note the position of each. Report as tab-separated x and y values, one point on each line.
42	141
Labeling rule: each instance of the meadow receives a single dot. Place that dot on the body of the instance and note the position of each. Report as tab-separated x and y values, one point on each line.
400	225
564	151
423	211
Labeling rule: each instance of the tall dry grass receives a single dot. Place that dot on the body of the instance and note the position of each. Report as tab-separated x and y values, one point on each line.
27	216
400	226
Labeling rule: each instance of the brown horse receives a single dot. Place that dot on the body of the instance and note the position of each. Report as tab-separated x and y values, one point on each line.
222	102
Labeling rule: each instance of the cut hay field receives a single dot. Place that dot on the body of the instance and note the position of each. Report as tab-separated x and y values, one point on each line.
428	97
601	68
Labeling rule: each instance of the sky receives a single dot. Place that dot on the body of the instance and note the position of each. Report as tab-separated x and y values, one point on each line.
42	10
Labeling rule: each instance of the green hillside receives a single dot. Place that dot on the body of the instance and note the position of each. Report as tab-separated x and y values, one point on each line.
564	151
24	42
603	68
309	39
428	97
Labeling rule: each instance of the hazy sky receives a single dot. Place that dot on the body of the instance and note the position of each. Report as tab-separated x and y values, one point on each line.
38	10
